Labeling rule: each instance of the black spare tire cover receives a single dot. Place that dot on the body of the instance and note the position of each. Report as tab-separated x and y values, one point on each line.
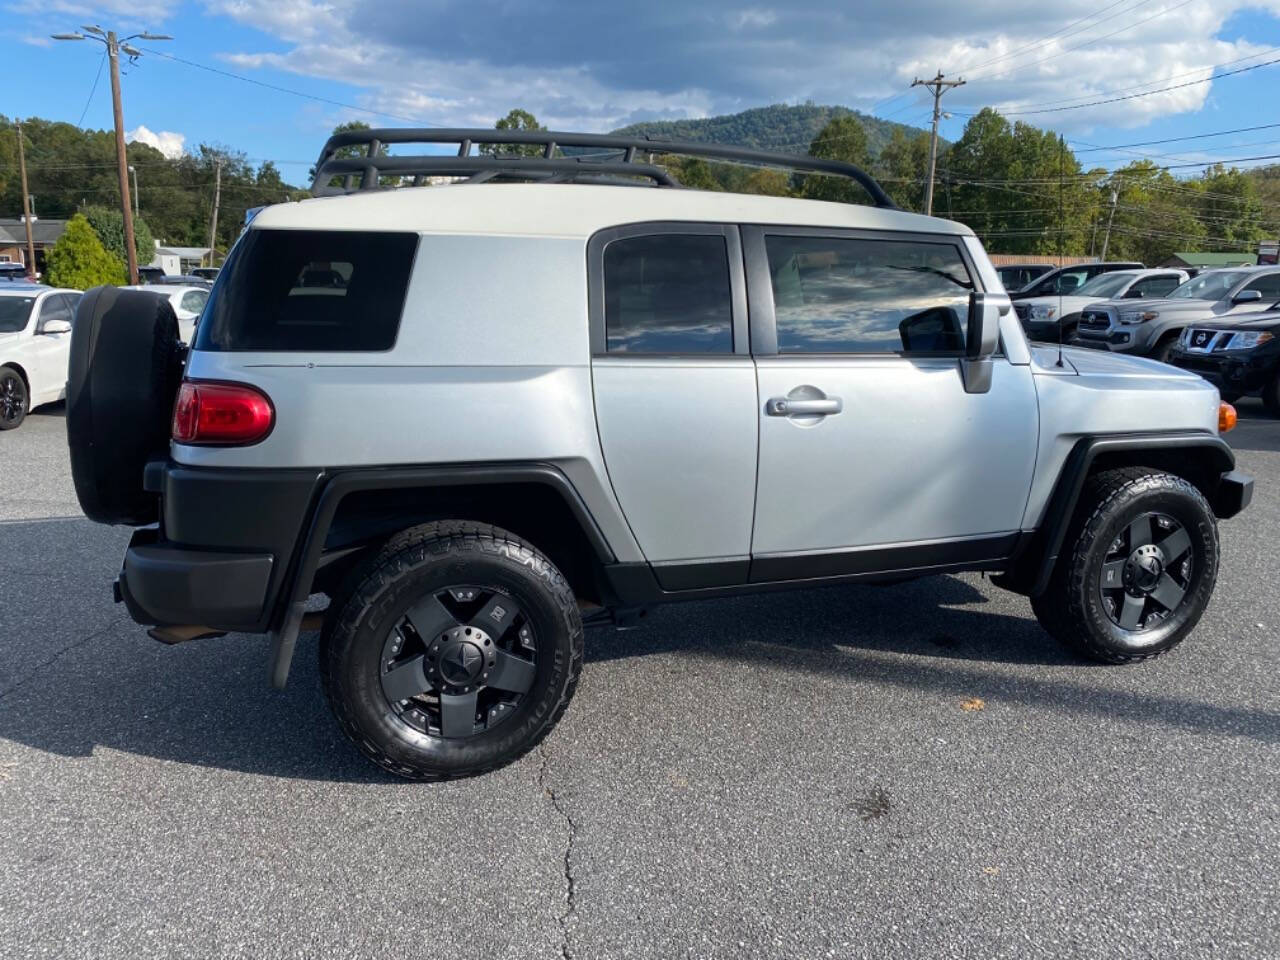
124	371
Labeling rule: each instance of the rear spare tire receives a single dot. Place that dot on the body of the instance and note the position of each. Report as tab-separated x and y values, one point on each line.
124	370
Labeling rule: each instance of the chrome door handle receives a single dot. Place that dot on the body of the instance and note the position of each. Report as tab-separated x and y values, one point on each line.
787	407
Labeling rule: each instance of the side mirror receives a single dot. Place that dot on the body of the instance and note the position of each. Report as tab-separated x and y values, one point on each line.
55	326
983	335
982	339
1247	296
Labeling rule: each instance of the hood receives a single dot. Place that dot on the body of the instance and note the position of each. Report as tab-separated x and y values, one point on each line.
1085	362
1164	305
1070	303
1246	321
6	337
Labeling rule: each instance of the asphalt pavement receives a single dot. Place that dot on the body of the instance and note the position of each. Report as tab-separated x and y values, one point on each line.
909	771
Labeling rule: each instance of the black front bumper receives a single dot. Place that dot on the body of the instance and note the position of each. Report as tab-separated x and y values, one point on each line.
1235	491
1238	374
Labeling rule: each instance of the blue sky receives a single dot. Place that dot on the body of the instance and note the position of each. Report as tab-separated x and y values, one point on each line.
582	64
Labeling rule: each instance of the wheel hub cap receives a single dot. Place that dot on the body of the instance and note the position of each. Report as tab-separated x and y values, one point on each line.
1143	571
460	663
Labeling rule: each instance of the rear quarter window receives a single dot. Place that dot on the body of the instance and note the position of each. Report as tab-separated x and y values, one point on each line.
309	290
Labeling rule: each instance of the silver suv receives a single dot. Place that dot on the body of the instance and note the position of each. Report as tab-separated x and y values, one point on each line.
481	416
1152	327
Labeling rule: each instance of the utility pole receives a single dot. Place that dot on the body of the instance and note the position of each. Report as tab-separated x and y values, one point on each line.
114	47
217	196
1106	239
26	207
937	86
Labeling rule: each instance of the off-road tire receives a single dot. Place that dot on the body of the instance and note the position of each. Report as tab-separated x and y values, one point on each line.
374	598
1163	350
1271	396
13	391
1071	608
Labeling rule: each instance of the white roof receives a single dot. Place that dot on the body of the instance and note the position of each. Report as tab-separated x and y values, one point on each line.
571	210
185	253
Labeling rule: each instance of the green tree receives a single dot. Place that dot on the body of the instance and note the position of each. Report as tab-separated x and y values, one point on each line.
79	261
844	139
515	120
692	172
108	224
1155	215
1230	207
902	166
766	182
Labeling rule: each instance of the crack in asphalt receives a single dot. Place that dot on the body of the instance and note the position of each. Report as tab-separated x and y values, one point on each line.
570	893
38	668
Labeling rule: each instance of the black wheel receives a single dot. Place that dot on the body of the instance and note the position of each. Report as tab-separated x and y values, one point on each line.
13	399
451	652
1136	570
1164	349
1271	396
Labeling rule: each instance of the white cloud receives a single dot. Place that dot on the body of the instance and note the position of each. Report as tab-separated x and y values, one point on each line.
166	141
446	62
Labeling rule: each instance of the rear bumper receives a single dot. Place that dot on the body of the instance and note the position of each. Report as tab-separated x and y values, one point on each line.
165	583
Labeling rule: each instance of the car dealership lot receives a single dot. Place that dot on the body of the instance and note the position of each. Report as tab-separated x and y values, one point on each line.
911	771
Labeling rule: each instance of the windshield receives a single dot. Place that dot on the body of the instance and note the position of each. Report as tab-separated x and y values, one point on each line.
1105	285
1208	286
14	313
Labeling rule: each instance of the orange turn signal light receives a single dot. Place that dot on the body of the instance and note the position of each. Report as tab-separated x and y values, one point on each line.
1226	417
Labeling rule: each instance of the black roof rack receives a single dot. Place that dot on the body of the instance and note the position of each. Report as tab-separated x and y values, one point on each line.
607	157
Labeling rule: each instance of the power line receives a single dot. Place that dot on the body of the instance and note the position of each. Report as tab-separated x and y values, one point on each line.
1058	34
1063	52
1135	96
1093	148
295	93
92	90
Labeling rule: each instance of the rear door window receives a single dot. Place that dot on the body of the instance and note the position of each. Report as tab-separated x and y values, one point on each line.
309	290
668	294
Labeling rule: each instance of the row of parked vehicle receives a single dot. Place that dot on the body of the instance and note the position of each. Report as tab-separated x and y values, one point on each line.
1222	324
35	339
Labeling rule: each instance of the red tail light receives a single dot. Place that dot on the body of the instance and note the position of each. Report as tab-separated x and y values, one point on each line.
221	413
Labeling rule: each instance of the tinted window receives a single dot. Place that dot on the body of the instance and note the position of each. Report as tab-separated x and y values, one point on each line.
1155	286
668	294
193	301
1208	286
309	290
1268	285
1106	285
14	313
835	295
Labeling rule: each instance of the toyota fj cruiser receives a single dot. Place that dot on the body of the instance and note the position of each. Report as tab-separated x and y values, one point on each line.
479	415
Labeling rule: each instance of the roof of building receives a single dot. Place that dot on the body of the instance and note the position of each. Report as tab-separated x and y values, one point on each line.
185	253
44	232
572	210
1216	259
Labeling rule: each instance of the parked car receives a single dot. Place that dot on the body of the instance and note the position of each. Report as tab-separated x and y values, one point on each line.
35	341
1051	318
525	404
1067	280
1152	327
184	280
1015	276
1241	357
151	274
14	273
187	302
205	273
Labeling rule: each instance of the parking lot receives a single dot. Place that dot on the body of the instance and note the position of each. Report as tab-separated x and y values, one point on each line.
908	771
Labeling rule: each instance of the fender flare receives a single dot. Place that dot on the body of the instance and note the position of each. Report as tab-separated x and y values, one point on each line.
1034	563
287	621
